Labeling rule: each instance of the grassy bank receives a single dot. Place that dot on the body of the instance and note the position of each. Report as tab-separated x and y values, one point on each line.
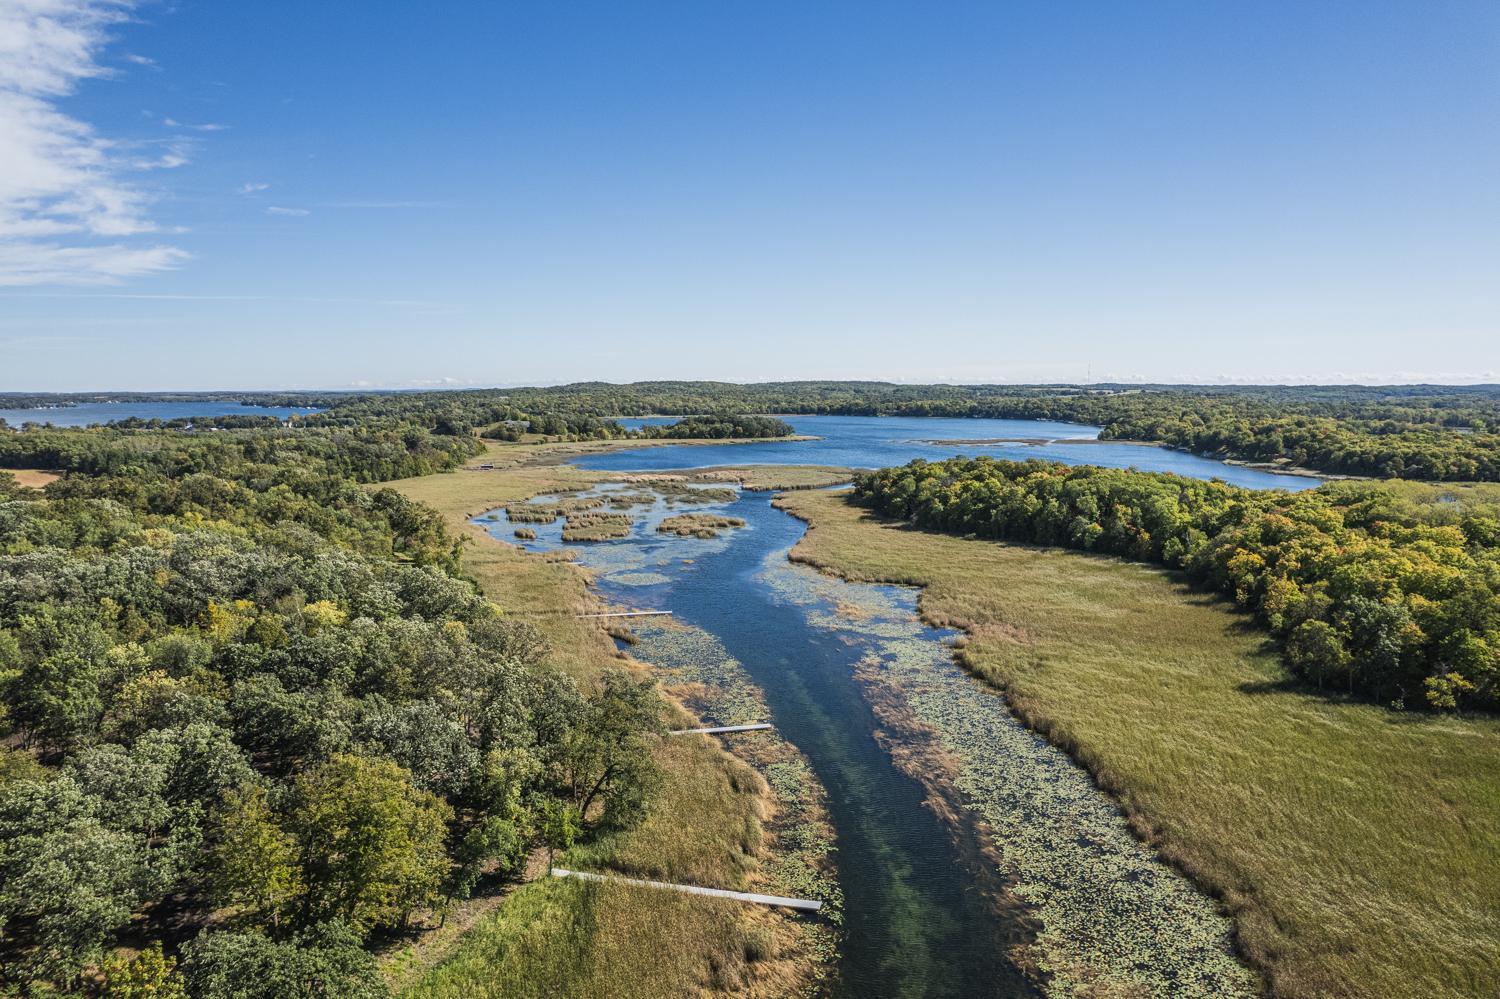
1357	849
552	937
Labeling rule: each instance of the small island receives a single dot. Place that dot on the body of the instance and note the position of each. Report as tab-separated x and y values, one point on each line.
698	525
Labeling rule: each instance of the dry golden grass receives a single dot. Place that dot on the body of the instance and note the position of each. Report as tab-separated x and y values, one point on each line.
33	478
1358	849
554	938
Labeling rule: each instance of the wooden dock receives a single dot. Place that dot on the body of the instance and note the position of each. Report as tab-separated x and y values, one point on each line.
800	904
629	614
722	729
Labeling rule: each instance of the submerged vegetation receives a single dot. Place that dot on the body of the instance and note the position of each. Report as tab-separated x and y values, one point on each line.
1368	590
1355	847
1111	918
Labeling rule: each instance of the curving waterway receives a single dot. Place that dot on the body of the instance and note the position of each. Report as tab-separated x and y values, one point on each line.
1033	869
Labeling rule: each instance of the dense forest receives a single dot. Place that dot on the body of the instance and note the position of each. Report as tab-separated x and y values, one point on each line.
1368	591
254	718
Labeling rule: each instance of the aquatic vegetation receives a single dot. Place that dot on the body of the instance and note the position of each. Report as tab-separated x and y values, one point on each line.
1268	795
1113	915
538	512
529	513
524	533
595	526
1082	858
698	525
639	578
561	938
703	674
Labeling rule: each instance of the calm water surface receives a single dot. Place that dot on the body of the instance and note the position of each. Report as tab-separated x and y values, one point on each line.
86	414
879	441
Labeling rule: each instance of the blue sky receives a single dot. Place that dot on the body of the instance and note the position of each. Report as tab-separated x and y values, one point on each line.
281	195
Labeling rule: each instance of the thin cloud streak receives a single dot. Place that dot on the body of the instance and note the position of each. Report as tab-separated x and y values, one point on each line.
403	303
386	204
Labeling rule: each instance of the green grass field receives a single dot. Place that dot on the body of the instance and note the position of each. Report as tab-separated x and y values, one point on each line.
553	937
1358	849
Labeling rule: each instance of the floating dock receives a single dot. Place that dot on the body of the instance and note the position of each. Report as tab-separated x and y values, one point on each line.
722	729
628	614
800	904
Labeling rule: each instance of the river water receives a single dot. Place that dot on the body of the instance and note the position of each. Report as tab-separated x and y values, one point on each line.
1084	901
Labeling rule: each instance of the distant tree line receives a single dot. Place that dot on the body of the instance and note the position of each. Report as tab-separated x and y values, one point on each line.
571	426
720	427
1367	593
1441	433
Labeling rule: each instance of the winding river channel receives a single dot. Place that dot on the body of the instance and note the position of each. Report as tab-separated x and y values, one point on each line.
956	876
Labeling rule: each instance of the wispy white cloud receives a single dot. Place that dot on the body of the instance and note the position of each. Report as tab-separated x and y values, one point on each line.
253	187
209	126
31	262
386	204
140	60
67	207
293	212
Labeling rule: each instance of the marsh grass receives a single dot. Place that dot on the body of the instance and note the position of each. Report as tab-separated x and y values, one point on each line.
595	526
698	525
568	938
1357	849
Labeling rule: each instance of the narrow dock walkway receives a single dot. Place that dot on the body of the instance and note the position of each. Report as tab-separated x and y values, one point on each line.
800	904
628	614
721	729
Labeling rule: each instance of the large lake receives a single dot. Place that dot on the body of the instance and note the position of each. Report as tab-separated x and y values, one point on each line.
89	413
880	441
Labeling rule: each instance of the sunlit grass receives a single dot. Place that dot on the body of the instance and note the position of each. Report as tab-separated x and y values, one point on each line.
1358	849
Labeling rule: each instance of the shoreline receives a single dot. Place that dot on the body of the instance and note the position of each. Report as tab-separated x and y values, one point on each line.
561	452
1261	466
790	811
